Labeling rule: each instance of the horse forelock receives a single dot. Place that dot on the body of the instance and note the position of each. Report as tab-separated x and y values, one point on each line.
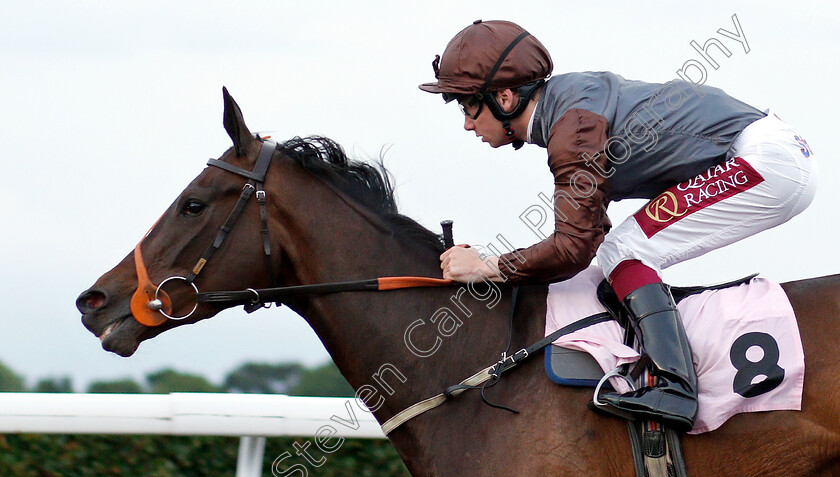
366	183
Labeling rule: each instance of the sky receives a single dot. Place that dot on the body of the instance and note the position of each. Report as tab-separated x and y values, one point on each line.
109	109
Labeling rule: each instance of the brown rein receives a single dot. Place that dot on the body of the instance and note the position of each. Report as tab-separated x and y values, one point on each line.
152	306
254	299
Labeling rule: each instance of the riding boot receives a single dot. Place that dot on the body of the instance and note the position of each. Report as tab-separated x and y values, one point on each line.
673	400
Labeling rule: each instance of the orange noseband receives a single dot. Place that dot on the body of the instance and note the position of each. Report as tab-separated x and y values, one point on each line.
146	292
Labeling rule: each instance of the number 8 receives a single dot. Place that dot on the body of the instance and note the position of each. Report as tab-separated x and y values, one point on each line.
748	370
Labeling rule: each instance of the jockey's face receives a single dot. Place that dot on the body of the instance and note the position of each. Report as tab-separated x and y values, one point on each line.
479	119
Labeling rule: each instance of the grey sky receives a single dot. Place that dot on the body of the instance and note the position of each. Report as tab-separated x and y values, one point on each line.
110	108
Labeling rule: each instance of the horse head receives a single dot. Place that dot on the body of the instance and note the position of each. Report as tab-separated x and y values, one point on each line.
215	235
173	248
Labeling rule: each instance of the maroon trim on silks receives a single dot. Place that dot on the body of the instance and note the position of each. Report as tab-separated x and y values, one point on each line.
722	181
631	275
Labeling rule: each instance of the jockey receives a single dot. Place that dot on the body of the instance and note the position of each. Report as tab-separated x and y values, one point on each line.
715	170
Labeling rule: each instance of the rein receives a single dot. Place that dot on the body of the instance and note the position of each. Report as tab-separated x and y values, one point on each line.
253	299
152	306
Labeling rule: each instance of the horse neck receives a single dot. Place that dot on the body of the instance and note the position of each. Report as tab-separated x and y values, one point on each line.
366	332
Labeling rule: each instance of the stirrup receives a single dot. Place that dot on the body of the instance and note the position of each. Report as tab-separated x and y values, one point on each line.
606	407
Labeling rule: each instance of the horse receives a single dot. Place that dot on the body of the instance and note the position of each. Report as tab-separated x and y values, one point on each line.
330	219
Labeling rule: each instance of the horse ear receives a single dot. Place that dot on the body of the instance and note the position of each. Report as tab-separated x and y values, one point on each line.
235	124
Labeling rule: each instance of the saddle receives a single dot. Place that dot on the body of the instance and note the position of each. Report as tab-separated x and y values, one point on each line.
569	367
656	450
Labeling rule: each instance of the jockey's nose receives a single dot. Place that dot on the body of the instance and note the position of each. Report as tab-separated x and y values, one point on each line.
91	300
469	123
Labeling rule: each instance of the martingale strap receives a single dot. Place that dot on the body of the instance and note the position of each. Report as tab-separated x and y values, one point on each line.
489	372
253	298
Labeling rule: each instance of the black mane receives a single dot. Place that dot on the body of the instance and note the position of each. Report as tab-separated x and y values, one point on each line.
366	183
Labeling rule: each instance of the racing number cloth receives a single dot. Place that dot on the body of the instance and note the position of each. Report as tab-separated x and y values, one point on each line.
745	344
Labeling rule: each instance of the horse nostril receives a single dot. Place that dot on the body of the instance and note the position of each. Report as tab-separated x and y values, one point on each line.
90	300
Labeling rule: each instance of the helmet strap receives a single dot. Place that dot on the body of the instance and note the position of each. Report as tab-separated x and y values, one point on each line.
511	134
525	94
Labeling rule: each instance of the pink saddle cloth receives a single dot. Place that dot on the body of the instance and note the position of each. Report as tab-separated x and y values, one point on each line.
744	340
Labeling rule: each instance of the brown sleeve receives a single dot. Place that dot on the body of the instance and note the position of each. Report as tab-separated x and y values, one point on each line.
580	208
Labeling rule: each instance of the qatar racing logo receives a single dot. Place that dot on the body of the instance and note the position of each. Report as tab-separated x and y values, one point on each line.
719	182
664	208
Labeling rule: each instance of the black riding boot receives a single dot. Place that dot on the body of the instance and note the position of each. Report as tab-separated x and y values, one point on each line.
674	399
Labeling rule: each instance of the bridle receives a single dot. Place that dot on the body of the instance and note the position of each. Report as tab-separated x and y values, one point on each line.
150	304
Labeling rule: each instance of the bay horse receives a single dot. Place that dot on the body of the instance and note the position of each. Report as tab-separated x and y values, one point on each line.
333	219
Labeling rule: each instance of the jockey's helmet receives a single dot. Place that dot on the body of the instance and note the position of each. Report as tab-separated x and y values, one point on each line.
487	57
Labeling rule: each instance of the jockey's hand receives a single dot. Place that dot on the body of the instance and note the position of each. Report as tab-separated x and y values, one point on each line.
463	264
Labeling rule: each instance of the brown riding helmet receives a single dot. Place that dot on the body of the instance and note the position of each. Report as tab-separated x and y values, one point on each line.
489	56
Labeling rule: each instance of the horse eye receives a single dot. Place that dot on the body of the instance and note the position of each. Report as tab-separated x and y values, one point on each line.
193	208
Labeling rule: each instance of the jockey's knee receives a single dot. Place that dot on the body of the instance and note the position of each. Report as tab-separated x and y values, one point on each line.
614	251
609	254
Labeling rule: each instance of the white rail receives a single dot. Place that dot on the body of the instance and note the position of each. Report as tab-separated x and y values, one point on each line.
251	416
